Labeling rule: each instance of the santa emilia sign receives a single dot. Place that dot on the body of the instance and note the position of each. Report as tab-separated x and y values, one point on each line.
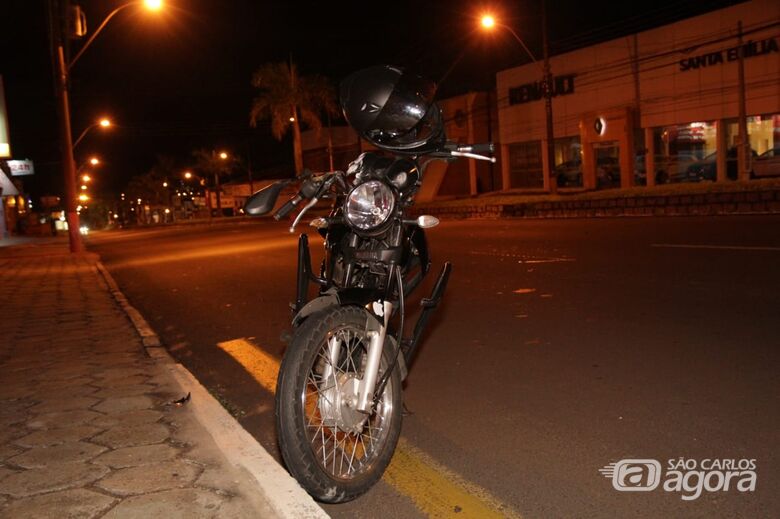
749	50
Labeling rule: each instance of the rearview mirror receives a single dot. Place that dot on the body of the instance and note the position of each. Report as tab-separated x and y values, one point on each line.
263	201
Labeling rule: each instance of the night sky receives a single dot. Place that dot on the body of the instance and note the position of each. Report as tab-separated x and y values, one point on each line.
179	79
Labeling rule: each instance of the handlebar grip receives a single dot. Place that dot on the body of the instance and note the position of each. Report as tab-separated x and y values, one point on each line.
487	147
287	207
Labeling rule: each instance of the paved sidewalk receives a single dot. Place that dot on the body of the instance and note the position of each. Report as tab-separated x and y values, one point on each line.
88	423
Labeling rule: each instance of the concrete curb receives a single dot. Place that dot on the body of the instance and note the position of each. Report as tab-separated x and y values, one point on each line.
680	204
285	496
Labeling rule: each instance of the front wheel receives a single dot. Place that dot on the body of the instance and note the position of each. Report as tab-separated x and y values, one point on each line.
334	451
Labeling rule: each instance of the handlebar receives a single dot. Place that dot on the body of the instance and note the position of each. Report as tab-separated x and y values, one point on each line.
487	147
287	207
315	187
471	151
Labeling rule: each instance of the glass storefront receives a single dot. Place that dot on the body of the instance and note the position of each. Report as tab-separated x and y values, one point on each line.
764	132
764	135
525	165
568	162
685	152
682	153
607	155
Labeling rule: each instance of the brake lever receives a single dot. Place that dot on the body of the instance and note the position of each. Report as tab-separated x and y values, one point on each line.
472	156
303	211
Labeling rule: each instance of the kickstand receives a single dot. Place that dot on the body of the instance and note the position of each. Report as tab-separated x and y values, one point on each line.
406	411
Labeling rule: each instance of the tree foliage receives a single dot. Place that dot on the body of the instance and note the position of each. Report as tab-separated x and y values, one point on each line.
285	97
209	163
149	187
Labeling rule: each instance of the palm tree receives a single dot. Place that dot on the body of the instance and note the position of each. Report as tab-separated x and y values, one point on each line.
285	97
219	164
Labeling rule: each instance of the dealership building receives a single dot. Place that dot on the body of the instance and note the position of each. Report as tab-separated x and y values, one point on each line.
665	101
659	106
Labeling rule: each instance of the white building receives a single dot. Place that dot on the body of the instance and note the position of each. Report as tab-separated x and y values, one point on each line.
660	101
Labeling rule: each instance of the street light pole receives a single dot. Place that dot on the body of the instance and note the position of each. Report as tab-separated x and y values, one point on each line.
548	94
105	123
150	4
488	22
58	36
217	171
68	162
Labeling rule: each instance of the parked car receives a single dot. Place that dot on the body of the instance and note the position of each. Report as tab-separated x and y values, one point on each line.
707	168
767	164
569	173
665	167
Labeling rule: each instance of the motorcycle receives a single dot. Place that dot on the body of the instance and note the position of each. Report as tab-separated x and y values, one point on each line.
339	394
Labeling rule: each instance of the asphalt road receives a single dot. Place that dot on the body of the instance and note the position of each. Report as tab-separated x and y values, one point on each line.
563	346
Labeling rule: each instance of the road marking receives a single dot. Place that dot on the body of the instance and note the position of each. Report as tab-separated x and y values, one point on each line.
263	367
549	260
715	247
524	258
438	491
434	489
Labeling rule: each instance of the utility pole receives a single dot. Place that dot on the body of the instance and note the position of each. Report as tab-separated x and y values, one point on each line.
489	105
743	144
219	192
57	35
548	94
249	167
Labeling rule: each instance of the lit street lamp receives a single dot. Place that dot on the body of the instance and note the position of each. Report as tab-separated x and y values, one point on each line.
94	161
488	22
62	76
152	5
103	123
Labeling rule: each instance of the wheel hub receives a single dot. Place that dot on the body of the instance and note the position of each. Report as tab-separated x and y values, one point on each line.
338	404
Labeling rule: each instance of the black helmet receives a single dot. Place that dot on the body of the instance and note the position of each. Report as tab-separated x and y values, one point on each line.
392	109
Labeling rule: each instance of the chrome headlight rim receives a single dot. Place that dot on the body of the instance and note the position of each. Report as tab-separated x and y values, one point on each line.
365	223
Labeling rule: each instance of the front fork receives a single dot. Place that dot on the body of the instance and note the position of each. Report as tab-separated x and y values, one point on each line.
367	385
370	374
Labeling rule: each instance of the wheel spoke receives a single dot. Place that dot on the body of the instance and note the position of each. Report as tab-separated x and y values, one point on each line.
340	453
352	458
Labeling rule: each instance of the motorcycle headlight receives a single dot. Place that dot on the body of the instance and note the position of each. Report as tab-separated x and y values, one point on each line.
369	205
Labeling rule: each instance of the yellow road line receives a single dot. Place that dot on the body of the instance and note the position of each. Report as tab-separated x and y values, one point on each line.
261	366
438	491
434	489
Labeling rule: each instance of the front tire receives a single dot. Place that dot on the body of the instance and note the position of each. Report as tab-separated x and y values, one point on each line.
334	463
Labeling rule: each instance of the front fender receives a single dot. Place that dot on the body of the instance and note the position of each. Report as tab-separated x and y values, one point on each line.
351	297
343	297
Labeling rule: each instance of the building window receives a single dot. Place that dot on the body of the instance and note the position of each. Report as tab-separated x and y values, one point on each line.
764	135
685	152
525	164
568	162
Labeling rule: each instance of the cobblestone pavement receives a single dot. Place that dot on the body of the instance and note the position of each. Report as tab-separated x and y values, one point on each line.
88	423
